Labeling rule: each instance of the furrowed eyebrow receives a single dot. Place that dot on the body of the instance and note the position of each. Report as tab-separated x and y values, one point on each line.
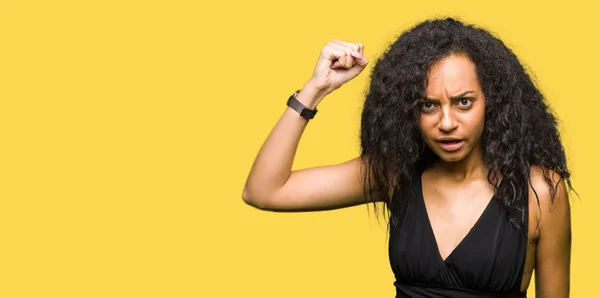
452	97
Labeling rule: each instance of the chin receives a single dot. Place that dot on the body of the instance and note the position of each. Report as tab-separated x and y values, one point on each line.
452	156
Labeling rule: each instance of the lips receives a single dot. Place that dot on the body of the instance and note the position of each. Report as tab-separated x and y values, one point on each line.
450	144
448	139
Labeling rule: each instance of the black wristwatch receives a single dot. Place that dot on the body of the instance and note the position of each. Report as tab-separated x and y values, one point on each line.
299	107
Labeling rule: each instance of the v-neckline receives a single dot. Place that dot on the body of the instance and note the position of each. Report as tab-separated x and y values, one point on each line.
435	241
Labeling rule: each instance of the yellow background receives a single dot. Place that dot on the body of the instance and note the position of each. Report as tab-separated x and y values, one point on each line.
128	128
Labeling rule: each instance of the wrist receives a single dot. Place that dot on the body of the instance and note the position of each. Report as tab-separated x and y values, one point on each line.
310	95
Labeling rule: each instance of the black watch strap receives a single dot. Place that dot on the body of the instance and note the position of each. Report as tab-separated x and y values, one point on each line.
299	107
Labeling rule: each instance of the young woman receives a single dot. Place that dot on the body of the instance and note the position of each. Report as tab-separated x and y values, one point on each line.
461	147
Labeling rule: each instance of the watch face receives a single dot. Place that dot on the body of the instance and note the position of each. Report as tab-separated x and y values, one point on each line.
306	113
299	107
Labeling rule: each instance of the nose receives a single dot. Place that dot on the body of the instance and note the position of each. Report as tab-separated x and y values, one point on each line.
447	122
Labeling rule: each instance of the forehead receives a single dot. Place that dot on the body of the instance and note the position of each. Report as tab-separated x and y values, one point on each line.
450	76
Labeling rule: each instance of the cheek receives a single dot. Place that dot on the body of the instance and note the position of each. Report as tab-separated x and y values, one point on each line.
477	123
425	128
481	127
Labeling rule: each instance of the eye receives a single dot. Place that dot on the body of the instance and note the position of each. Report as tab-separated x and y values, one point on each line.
465	102
427	106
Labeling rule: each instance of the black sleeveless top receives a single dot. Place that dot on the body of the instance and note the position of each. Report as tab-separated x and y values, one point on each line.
488	262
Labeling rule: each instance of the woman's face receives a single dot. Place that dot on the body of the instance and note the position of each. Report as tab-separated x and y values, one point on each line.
452	114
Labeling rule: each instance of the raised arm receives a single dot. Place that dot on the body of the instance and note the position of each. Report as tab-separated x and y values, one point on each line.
314	189
271	184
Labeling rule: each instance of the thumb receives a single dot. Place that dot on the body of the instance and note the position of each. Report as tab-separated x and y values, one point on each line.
360	59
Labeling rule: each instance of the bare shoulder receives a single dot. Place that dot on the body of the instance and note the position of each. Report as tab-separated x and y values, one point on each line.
548	204
549	187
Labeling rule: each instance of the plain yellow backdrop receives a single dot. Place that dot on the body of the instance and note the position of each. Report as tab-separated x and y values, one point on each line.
128	128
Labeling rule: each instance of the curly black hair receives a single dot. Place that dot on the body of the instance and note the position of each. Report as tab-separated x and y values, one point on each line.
520	130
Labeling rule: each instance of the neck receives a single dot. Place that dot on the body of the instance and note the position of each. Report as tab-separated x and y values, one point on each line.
468	168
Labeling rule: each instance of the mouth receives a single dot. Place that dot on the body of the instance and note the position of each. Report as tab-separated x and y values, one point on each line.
450	144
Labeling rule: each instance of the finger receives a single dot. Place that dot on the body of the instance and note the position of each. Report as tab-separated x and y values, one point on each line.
340	55
343	60
344	46
349	60
333	51
355	47
360	59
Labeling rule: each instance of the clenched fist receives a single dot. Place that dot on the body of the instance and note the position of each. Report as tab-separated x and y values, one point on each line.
338	63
